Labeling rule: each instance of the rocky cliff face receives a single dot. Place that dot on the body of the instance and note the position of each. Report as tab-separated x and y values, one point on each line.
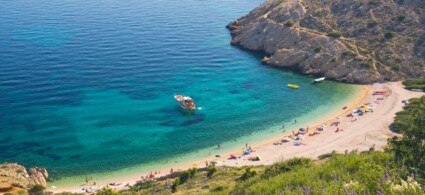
347	40
14	176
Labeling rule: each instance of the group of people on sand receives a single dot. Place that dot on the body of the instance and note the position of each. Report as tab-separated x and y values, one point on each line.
152	175
298	135
91	188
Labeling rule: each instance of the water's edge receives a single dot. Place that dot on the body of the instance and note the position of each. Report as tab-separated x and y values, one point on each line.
259	138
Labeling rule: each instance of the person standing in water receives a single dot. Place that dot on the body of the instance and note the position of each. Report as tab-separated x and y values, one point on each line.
218	146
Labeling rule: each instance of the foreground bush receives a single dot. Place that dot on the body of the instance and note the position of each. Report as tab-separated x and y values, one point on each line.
370	173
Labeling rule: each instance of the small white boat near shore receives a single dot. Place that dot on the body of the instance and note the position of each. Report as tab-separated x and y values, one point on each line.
319	80
185	102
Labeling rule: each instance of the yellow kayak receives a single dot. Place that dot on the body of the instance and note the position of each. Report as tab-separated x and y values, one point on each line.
293	86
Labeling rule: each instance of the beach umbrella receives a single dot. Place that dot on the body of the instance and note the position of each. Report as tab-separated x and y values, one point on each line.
258	157
302	129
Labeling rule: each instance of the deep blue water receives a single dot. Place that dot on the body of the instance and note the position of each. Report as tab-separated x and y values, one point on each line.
87	86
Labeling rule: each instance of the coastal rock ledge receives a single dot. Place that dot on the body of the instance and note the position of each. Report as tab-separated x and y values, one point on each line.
349	41
14	177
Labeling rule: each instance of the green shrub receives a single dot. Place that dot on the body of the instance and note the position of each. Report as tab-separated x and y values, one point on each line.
318	49
248	174
415	84
366	65
326	155
389	35
335	34
290	23
174	185
372	23
211	170
333	59
396	68
218	189
374	2
141	185
349	53
401	18
286	166
184	176
36	190
106	191
22	192
192	172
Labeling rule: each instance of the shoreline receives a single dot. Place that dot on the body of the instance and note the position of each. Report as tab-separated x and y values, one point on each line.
132	178
370	130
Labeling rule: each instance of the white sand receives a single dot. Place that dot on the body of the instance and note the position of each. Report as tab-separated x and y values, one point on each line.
368	130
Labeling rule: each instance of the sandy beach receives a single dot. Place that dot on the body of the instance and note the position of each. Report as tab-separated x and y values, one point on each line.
357	132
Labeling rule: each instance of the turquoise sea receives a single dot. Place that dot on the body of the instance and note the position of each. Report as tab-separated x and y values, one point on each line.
86	87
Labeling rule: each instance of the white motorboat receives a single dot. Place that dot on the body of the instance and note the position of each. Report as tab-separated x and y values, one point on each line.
319	80
185	102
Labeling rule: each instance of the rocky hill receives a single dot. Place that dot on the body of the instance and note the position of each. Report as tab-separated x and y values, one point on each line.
14	177
347	40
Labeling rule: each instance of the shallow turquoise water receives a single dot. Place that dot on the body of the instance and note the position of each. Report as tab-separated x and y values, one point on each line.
87	86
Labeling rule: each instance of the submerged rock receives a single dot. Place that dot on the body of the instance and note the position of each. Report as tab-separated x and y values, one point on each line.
350	41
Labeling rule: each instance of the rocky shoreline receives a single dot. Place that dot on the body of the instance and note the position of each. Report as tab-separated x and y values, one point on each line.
15	177
315	38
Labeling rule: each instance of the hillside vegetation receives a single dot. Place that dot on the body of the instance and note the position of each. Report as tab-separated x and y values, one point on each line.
352	41
415	84
361	173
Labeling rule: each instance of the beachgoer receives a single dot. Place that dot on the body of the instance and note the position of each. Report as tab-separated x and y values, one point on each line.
87	180
246	145
171	171
218	145
206	163
94	183
295	121
209	152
